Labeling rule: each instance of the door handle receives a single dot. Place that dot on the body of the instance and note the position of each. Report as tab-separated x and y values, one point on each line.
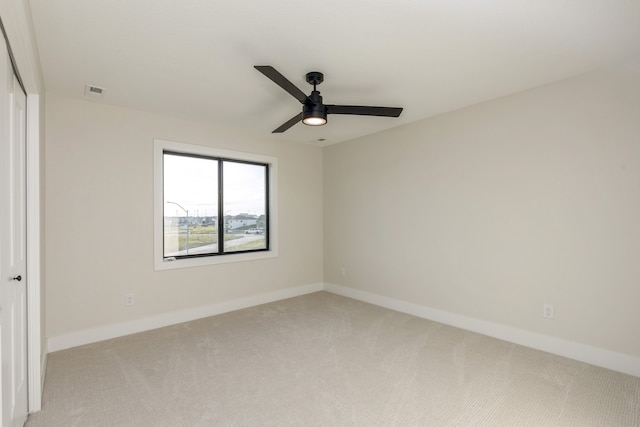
18	278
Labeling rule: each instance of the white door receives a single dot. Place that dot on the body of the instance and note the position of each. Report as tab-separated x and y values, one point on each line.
13	295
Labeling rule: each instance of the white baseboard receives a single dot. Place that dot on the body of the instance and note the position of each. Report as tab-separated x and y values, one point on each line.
584	353
593	355
115	330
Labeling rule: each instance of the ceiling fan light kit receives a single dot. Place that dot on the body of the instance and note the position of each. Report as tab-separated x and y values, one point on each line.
314	111
310	120
314	114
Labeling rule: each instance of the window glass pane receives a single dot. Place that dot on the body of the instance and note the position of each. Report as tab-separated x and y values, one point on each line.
190	205
245	206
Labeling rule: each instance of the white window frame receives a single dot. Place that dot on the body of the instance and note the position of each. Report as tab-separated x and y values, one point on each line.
159	147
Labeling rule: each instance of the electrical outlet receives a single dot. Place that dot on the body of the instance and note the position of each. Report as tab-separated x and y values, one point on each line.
343	270
547	310
129	299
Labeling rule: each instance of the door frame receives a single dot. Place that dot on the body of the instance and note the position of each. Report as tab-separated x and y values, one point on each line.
36	350
15	20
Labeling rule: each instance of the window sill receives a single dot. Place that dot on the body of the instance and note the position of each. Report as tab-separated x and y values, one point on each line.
214	260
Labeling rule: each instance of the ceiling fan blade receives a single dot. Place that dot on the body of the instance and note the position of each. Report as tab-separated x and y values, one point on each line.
282	81
363	111
292	121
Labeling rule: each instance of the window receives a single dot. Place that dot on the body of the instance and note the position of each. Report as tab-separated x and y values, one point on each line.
212	206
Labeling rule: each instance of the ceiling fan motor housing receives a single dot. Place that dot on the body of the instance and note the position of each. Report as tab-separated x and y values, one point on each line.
316	109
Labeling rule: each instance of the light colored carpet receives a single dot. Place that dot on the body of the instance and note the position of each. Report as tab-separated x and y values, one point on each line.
326	360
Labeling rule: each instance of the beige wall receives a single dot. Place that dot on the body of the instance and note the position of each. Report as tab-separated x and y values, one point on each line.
485	212
99	218
490	211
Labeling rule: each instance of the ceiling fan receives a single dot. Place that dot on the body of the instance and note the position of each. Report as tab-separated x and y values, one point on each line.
314	112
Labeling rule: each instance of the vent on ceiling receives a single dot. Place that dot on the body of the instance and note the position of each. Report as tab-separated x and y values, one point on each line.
94	91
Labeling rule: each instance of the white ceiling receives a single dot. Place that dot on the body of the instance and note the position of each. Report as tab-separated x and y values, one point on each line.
195	58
